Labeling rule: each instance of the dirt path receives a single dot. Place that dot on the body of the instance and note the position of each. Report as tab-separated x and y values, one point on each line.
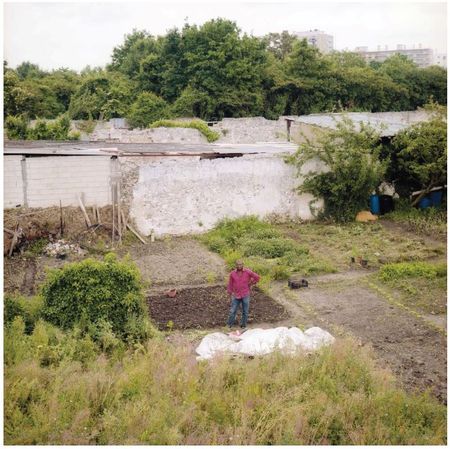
402	229
415	351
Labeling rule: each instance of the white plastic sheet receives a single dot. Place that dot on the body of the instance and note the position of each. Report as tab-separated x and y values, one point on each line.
263	341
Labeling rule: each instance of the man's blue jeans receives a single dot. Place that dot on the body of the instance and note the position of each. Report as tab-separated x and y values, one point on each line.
235	303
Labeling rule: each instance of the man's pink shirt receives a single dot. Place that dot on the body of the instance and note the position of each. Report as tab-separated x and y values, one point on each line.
239	284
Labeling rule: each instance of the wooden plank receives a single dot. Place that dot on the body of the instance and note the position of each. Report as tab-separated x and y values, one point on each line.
86	217
136	234
14	241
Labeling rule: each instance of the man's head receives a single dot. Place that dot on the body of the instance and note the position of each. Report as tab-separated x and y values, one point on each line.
239	265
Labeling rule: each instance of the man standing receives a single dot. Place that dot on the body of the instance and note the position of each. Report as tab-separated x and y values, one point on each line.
241	279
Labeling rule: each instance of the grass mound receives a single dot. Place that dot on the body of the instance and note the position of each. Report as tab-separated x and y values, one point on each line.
200	125
262	248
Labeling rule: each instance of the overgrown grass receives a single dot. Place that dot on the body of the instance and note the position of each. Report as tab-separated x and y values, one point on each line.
158	394
422	285
263	249
430	221
338	243
200	125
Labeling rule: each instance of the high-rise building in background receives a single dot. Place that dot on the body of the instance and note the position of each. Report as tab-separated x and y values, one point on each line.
319	39
440	59
423	57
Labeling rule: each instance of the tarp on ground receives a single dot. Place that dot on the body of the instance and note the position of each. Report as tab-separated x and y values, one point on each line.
263	341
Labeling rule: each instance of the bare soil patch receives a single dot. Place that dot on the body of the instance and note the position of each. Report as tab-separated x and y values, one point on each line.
414	351
176	261
208	307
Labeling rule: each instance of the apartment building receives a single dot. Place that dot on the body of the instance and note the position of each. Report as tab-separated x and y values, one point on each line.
319	39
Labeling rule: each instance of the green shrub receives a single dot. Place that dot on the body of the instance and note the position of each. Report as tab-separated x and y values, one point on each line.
396	271
211	136
147	108
29	309
87	292
354	170
16	127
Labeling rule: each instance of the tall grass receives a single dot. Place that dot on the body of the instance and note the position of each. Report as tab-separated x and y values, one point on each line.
158	394
430	221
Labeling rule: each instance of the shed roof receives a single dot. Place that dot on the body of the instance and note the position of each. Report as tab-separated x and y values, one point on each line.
55	148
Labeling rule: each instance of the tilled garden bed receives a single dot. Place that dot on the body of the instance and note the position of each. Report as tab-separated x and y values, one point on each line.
208	307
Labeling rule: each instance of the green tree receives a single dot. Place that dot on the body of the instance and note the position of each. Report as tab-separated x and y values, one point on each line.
348	168
29	70
421	154
102	95
147	108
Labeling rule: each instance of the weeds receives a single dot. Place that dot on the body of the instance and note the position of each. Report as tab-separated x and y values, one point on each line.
422	286
430	221
157	394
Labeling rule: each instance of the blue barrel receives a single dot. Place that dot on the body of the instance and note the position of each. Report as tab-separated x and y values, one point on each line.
425	202
375	204
436	197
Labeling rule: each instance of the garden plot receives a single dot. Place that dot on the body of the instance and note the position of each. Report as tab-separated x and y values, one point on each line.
208	307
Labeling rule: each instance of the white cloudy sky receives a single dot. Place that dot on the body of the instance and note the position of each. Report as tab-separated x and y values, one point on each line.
63	34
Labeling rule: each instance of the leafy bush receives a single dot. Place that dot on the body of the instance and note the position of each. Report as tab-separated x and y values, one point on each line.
29	309
87	292
16	127
350	172
200	125
395	271
147	108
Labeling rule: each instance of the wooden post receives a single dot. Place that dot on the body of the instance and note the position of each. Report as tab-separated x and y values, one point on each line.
86	216
61	220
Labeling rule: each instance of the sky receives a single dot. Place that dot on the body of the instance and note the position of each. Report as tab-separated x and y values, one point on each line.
74	35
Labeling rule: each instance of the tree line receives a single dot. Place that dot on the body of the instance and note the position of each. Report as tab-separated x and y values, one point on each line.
214	71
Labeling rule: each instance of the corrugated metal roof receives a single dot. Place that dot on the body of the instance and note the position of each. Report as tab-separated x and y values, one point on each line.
130	149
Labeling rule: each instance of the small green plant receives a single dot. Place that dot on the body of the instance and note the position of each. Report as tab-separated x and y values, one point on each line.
36	247
16	127
200	125
211	277
170	325
86	126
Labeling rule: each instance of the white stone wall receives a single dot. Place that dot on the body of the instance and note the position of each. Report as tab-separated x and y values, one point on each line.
12	182
177	196
159	135
50	179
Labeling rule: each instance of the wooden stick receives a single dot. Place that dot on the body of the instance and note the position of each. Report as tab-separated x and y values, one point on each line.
61	222
136	234
86	217
9	231
113	215
124	221
14	241
98	215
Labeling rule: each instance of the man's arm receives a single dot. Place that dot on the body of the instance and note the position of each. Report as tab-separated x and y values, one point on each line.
254	278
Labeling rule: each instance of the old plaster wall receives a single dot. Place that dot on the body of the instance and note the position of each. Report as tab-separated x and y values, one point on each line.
188	195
